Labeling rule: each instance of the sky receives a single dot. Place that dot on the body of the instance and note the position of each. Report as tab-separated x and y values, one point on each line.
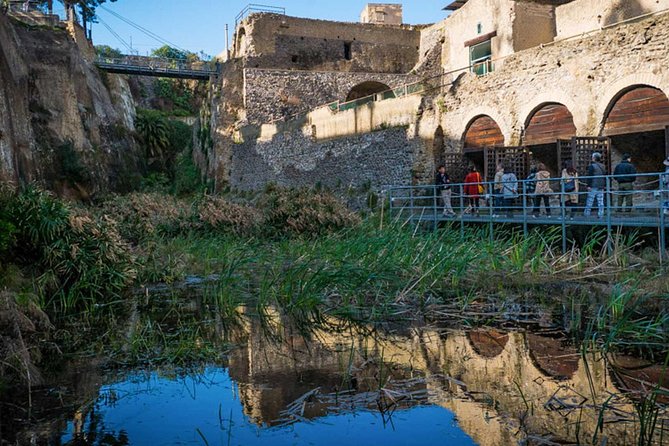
199	25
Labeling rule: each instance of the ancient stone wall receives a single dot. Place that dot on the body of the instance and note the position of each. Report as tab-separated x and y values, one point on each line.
279	94
583	16
275	41
291	158
585	75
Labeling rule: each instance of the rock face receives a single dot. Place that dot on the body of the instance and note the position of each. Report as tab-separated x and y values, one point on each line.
63	123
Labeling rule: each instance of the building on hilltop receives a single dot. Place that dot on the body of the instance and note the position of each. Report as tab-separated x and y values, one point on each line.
354	105
382	14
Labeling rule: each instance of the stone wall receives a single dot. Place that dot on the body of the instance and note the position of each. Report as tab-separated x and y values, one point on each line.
275	41
277	94
291	158
583	16
585	75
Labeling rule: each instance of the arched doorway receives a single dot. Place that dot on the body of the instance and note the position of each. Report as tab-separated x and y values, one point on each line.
240	45
366	89
636	121
481	134
547	124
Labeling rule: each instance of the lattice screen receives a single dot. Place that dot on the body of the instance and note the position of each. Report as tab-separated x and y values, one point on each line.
580	150
457	166
517	157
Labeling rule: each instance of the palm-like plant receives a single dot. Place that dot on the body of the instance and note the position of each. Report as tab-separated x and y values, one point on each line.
153	132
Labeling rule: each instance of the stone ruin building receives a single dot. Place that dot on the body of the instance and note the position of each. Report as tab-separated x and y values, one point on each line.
359	106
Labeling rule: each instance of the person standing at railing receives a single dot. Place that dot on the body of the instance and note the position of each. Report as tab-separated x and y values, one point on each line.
497	189
542	191
596	184
473	189
443	186
509	189
625	176
570	187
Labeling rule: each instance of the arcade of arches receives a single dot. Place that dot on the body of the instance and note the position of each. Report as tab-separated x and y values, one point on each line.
636	121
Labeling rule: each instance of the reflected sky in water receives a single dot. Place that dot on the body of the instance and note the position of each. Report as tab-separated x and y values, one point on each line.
148	409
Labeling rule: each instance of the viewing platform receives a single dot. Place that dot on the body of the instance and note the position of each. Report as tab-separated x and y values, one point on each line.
424	205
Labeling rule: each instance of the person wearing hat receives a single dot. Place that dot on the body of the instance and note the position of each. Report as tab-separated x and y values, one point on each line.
596	185
625	175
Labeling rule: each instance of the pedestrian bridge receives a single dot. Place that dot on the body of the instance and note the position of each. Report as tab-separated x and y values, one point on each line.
424	205
157	67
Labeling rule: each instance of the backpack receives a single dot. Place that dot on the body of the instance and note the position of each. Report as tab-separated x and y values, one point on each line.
531	183
570	185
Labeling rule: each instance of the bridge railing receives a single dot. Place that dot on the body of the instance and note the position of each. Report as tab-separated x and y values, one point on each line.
610	202
155	63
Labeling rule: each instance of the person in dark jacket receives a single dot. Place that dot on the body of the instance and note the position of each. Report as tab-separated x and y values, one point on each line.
596	186
625	175
443	184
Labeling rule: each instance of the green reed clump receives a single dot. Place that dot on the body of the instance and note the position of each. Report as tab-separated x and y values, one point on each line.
307	212
77	259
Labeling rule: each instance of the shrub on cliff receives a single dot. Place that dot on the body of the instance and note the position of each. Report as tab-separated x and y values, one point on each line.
78	259
298	212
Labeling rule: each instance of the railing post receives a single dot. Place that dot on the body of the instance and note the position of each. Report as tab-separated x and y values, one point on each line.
525	231
435	203
489	189
609	231
663	220
411	204
462	212
563	204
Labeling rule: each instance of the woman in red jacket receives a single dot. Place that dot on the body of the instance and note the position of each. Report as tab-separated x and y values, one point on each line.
473	189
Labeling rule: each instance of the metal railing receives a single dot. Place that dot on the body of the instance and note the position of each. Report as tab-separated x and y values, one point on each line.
254	7
399	92
606	201
155	66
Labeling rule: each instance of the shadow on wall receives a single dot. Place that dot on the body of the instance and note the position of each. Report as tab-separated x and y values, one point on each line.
623	10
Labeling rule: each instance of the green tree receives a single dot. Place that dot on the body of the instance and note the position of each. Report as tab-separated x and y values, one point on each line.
107	51
167	52
153	131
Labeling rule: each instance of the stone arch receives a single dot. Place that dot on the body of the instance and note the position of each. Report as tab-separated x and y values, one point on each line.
547	123
650	107
488	343
468	116
552	357
482	131
615	88
556	96
240	42
365	89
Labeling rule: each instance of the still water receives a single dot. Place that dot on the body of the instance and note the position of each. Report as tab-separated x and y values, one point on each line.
149	409
349	385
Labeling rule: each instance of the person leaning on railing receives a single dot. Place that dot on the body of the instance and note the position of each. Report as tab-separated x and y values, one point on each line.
570	188
625	175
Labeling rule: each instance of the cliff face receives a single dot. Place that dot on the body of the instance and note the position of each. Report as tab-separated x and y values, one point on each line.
63	123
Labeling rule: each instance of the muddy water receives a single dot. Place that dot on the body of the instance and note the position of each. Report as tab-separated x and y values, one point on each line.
408	386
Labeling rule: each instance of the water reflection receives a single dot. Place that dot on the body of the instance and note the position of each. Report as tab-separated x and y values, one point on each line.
410	386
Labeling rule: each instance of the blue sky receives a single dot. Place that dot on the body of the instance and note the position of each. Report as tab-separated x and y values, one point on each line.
199	25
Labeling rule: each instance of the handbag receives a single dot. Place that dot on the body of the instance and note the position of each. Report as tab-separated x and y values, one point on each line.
570	185
481	188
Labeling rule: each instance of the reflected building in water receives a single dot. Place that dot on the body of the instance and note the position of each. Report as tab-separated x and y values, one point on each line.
502	387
